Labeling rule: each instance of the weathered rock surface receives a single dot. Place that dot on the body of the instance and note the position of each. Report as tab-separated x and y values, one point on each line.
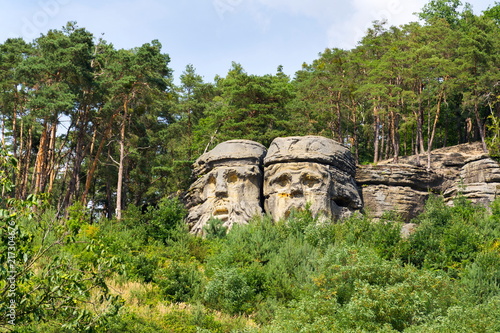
403	200
478	180
228	185
309	170
412	176
396	187
311	148
404	187
232	152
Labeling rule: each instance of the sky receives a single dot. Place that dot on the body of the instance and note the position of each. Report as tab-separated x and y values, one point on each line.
260	35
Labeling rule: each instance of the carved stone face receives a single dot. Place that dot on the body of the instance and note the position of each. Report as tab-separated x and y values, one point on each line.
300	172
291	186
229	193
228	185
310	170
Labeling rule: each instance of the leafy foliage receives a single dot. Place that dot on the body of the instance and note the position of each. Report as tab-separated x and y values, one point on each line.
448	237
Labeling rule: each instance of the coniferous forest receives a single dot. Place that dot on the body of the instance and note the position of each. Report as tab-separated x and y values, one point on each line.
96	150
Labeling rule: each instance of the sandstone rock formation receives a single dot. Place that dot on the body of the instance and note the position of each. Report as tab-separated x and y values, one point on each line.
478	180
404	187
464	169
309	170
228	185
396	187
239	179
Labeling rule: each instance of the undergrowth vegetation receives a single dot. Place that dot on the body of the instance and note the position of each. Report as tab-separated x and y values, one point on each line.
146	273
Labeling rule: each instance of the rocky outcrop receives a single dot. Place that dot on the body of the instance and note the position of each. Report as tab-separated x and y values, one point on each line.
405	201
239	179
400	188
478	180
403	175
404	187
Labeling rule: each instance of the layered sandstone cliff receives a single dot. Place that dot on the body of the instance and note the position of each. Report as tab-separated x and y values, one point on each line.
404	187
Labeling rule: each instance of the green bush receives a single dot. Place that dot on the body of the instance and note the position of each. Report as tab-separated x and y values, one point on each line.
229	291
77	216
247	244
311	314
465	318
215	229
131	323
299	222
482	277
290	268
142	266
357	290
163	223
140	239
447	238
167	221
178	281
383	235
274	260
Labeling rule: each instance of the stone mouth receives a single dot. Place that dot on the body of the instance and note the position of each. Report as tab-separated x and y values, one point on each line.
222	213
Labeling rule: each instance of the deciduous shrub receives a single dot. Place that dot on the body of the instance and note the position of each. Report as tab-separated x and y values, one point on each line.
482	277
447	237
178	281
229	291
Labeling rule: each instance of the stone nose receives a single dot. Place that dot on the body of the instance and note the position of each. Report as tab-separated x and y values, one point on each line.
220	186
296	189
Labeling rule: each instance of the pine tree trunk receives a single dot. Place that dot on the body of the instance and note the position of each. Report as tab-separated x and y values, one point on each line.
433	132
52	169
395	137
376	140
355	142
480	125
93	167
39	170
339	118
420	124
119	186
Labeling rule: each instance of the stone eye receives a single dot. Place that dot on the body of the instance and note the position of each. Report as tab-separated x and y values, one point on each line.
232	177
282	180
310	181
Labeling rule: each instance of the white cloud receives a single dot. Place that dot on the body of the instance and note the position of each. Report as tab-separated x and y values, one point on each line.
345	23
347	33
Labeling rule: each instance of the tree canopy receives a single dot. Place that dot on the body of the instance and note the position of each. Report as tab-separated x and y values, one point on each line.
107	128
